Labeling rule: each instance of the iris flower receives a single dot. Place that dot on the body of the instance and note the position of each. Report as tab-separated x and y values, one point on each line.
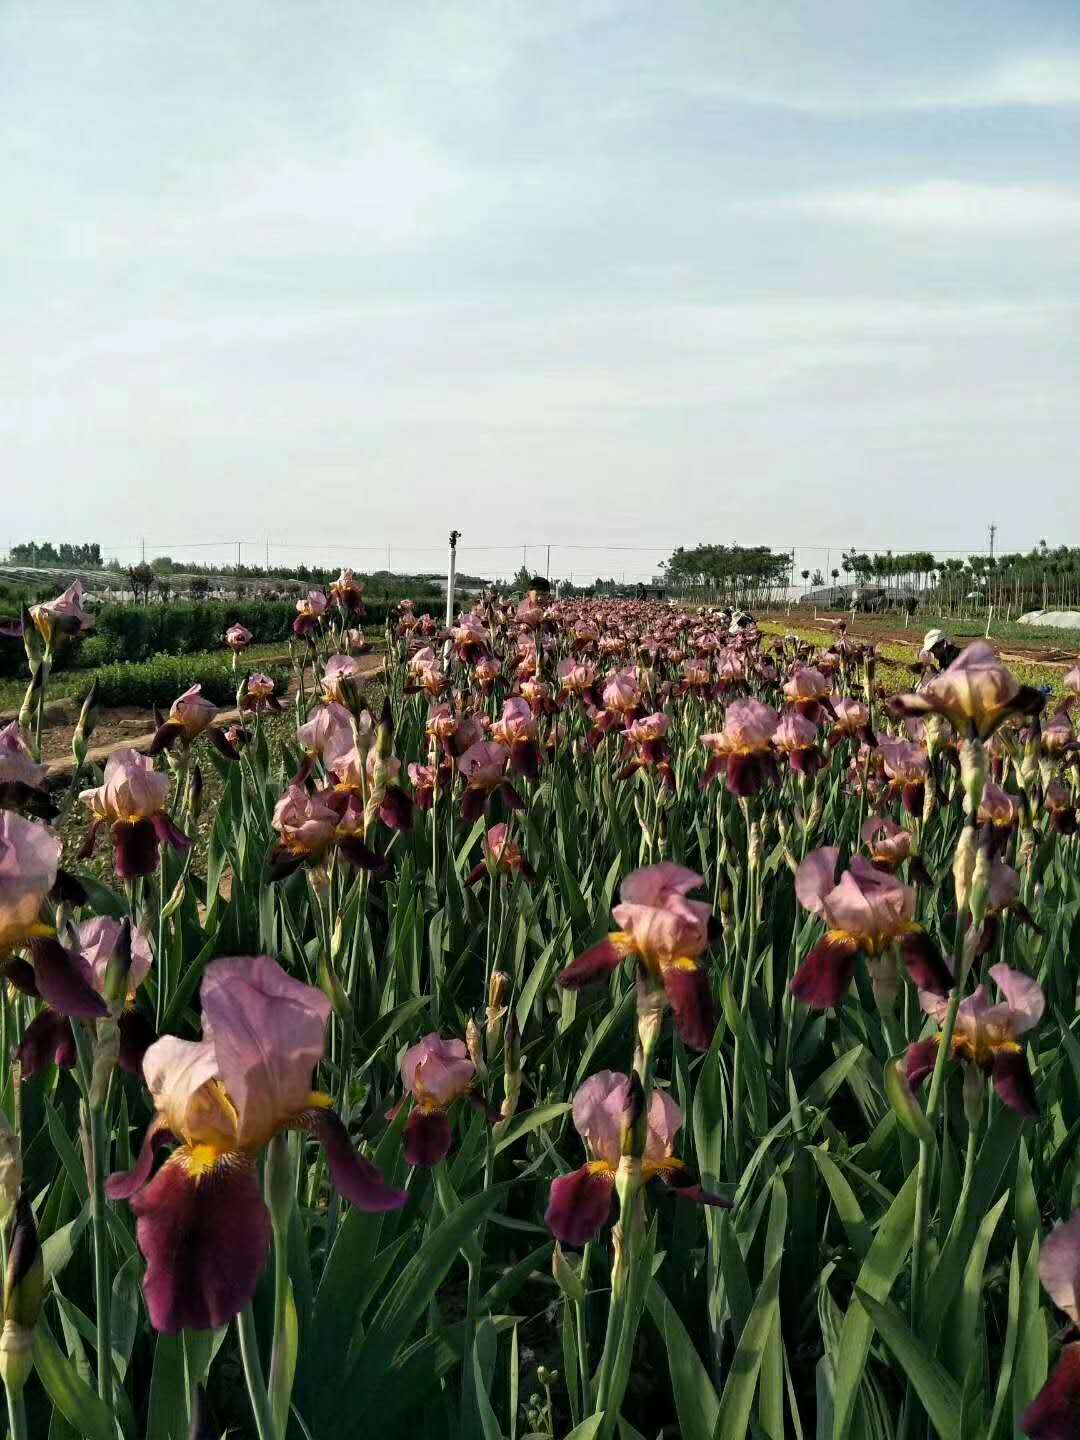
31	958
668	934
437	1073
203	1226
987	1035
48	1037
132	801
580	1203
975	693
868	912
191	715
1052	1415
742	750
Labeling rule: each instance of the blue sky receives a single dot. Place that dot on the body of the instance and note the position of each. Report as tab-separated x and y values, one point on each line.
600	274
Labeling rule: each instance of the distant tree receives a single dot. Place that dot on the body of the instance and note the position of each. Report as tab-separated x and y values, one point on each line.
817	578
199	587
142	580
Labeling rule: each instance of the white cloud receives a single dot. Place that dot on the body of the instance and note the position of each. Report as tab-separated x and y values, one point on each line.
958	205
1032	81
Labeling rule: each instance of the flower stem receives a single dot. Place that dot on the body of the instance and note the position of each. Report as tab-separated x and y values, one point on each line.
16	1409
253	1374
280	1378
102	1284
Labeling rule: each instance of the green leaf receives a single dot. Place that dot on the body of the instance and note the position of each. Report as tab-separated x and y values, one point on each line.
405	1305
696	1402
905	1103
71	1395
884	1261
529	1121
938	1392
733	1417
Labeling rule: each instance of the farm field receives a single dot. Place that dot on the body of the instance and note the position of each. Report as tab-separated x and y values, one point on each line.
600	1019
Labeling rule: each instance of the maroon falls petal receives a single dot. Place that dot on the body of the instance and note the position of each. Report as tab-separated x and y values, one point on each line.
137	1034
1013	1082
136	848
47	1041
579	1204
919	1060
594	965
205	1235
169	833
351	1175
427	1137
690	996
925	964
125	1183
62	983
1054	1414
823	978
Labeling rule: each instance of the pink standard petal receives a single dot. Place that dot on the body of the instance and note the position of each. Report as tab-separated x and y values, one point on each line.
268	1032
816	877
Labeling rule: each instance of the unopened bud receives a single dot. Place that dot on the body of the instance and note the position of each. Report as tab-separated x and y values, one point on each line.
631	1117
498	989
195	791
972	773
753	846
33	690
332	987
241	689
106	1055
980	878
474	1043
566	1277
10	1169
511	1069
964	867
384	740
118	969
23	1285
280	1182
88	717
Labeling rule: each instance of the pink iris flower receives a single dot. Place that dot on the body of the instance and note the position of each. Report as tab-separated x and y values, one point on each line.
340	671
436	1073
202	1224
132	801
483	768
516	729
238	637
48	1037
889	844
988	1035
31	958
743	748
580	1203
191	715
868	912
1052	1414
975	693
66	615
668	934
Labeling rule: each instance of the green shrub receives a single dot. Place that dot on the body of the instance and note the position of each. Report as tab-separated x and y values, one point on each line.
159	680
94	651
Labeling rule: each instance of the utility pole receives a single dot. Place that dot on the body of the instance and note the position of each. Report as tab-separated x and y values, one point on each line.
547	571
451	575
238	557
142	542
268	554
993	532
388	559
525	558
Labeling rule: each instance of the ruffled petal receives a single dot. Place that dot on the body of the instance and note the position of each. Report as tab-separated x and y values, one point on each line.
427	1137
823	978
579	1204
595	964
920	1060
351	1175
690	996
1054	1414
205	1234
63	983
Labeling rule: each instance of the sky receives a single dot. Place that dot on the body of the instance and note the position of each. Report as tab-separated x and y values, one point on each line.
337	275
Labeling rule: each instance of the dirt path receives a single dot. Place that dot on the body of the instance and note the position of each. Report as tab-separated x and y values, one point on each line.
864	627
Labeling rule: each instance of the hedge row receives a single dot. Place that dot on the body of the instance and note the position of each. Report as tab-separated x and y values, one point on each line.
159	680
137	632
